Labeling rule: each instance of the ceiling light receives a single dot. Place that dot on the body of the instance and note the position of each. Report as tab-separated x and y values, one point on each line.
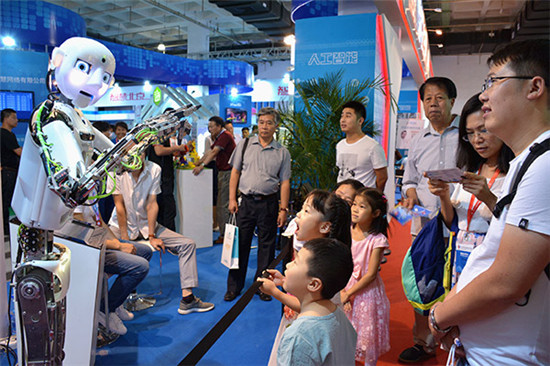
8	41
435	10
440	45
290	40
161	47
438	32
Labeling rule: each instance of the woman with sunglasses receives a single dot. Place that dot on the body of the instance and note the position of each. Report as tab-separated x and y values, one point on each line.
485	160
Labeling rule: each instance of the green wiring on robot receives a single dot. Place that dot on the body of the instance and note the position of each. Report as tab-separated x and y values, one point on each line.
43	144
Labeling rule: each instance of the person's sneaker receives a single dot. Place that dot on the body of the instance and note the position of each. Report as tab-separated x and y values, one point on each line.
115	324
387	251
415	354
196	305
124	314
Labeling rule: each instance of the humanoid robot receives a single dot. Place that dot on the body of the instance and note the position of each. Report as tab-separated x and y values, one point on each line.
64	160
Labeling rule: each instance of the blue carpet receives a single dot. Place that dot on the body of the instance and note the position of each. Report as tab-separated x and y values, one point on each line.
160	336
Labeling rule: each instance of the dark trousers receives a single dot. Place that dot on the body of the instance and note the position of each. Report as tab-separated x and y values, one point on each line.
9	178
263	215
167	207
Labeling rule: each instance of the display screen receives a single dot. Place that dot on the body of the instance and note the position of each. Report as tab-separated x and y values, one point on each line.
20	101
235	115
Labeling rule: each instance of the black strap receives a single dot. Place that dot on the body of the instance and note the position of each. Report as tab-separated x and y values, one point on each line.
244	149
535	151
221	326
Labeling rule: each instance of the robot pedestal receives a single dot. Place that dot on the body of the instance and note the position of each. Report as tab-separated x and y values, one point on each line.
84	294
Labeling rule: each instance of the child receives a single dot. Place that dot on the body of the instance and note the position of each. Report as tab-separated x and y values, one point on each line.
321	335
364	297
323	214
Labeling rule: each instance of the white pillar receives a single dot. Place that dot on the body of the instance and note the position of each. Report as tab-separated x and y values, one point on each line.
198	42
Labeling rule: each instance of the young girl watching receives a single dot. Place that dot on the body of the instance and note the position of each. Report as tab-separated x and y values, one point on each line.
323	215
364	297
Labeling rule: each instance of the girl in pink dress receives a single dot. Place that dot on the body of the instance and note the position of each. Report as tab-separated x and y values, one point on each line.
364	297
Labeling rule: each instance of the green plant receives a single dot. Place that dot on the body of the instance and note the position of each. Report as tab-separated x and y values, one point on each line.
311	127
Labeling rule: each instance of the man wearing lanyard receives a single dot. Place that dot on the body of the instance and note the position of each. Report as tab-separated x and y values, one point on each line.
433	148
258	173
221	151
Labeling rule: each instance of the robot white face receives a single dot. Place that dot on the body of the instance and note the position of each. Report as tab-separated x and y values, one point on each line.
84	70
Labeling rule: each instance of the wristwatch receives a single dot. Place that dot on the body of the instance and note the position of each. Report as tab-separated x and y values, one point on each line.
283	209
434	323
151	236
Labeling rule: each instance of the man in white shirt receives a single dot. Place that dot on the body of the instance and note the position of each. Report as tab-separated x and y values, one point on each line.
135	218
502	297
432	149
359	156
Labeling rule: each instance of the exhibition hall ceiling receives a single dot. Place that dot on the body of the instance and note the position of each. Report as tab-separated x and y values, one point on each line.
148	23
474	26
253	30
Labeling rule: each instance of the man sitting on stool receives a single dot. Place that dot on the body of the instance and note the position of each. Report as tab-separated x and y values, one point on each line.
135	218
130	261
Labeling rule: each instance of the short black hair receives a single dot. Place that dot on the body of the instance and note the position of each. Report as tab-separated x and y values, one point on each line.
102	126
354	183
217	120
245	129
358	107
442	83
331	262
6	113
526	58
334	210
121	124
466	156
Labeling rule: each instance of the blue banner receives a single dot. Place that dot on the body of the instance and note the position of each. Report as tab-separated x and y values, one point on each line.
329	44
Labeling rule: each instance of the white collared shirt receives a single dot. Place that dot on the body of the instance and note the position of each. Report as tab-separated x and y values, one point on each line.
135	196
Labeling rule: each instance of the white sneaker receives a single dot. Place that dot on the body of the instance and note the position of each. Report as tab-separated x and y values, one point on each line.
124	314
115	324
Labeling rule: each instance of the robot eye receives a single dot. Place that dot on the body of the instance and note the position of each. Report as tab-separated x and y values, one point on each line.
106	78
83	66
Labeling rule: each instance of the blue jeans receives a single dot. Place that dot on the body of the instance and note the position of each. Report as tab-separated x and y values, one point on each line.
131	270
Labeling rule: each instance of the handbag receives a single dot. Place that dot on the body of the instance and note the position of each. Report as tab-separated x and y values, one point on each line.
230	251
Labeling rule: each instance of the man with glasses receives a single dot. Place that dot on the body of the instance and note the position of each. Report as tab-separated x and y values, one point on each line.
258	172
501	300
433	148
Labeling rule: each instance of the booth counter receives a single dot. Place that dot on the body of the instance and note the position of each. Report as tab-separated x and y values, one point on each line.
194	205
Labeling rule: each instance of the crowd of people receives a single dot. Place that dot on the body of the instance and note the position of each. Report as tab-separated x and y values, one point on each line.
336	308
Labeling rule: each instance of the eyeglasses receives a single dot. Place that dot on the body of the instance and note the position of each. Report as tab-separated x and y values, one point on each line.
470	136
487	83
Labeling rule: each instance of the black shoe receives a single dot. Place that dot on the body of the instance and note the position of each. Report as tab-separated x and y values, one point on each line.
387	251
415	354
384	260
230	296
263	297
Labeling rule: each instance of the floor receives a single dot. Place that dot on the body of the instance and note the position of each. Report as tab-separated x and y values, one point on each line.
160	336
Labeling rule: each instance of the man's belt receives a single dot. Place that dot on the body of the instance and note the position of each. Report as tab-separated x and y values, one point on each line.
260	197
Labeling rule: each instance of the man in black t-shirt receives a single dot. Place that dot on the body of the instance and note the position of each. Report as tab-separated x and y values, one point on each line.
10	155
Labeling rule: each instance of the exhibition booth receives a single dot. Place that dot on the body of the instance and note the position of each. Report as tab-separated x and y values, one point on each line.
388	46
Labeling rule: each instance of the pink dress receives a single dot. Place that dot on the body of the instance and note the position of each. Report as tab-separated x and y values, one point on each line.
370	314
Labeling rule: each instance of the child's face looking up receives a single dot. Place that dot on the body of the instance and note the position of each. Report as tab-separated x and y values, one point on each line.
309	222
296	274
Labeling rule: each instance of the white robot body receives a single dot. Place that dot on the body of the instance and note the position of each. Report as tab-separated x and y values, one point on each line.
34	203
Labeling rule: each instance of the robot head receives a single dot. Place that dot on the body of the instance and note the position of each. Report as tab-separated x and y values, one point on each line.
84	70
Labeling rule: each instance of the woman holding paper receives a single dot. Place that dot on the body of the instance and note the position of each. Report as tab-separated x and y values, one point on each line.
485	160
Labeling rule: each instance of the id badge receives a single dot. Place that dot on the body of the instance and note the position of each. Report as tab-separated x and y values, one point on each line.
466	242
